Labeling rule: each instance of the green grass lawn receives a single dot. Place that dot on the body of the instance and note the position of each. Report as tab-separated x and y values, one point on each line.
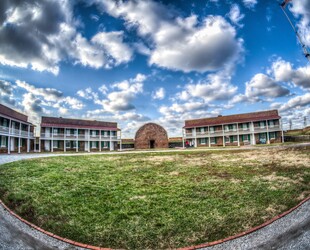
156	200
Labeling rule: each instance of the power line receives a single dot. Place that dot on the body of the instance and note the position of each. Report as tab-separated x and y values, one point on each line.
304	47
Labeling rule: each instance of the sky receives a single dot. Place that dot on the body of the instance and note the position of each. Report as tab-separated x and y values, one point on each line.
134	62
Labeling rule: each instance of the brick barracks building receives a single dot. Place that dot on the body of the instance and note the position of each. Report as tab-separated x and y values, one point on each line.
16	133
234	130
62	134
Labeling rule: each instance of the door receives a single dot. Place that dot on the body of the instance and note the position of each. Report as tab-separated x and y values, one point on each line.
152	144
47	145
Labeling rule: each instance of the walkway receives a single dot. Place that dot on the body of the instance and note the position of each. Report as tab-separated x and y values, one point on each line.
289	232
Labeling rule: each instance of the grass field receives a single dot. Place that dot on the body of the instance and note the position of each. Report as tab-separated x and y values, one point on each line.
156	200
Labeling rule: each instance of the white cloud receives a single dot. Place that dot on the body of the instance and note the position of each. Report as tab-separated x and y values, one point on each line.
159	94
249	3
87	94
262	85
180	43
41	34
215	87
117	51
49	94
49	97
6	92
126	92
296	102
235	15
283	72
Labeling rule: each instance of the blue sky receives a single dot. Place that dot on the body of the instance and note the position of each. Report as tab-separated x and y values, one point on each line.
162	61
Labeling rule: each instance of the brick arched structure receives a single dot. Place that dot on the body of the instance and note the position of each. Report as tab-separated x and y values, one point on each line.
151	135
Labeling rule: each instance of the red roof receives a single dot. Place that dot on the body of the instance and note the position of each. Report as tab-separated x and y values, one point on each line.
4	110
238	118
77	123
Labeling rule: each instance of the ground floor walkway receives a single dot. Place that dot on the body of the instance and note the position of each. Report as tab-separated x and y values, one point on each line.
289	232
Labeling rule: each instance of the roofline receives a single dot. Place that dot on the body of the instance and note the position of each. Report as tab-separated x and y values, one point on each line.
232	115
57	125
18	120
246	120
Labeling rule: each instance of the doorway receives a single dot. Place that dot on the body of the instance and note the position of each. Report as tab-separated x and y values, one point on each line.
152	143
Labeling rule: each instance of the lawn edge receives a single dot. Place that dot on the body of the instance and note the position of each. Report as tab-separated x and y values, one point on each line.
208	244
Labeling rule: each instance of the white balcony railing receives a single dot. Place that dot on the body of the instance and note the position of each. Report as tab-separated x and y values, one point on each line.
15	132
4	130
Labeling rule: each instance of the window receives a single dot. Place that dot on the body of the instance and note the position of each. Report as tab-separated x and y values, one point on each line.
213	140
55	131
55	144
245	138
226	128
203	141
93	144
271	123
68	144
262	124
202	130
3	142
5	123
272	135
227	139
244	126
68	132
235	138
211	129
74	144
75	132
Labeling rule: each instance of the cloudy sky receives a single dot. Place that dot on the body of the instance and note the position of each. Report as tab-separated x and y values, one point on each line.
162	61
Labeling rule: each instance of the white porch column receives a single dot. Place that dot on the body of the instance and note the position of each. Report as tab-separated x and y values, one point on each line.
195	134
19	139
77	140
268	139
39	145
110	140
209	141
224	142
88	140
183	135
52	146
281	126
238	135
253	134
9	137
28	140
65	141
100	140
120	142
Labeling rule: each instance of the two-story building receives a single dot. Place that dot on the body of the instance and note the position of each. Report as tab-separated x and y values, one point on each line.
63	134
16	133
234	130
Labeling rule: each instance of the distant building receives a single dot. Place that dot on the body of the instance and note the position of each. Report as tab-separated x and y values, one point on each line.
16	133
127	144
62	134
234	130
175	142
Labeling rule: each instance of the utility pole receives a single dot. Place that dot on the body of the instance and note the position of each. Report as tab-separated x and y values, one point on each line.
291	124
305	121
304	47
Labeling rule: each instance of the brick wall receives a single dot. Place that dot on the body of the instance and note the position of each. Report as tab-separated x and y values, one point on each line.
151	132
